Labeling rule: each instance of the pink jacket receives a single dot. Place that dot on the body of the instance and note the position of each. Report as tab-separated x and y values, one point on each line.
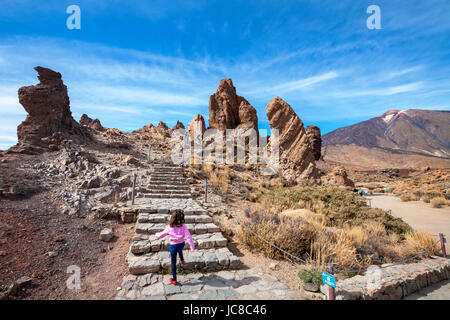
177	235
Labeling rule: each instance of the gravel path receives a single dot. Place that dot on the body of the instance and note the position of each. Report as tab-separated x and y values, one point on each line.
420	215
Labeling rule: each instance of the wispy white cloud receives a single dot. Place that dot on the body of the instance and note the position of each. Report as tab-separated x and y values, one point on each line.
410	87
404	71
294	85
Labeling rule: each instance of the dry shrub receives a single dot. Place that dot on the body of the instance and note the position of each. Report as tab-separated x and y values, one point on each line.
218	178
337	249
417	242
438	202
276	182
316	220
290	234
409	197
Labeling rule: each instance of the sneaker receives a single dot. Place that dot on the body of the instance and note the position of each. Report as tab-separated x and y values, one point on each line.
173	282
183	262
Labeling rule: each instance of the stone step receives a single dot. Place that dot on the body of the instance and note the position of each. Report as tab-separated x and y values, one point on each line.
159	166
167	191
166	174
166	195
199	260
168	186
149	228
152	210
167	181
164	218
148	243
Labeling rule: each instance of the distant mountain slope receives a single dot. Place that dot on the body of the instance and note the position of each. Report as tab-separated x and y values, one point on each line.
424	134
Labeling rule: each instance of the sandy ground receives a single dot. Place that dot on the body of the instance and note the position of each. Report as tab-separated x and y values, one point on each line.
420	215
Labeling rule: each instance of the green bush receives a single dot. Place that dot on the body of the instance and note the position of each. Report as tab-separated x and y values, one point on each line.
311	275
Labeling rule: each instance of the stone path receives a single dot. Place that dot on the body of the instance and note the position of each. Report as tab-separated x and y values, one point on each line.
438	291
212	271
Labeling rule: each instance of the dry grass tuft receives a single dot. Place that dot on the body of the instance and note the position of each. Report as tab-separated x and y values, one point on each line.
409	197
438	202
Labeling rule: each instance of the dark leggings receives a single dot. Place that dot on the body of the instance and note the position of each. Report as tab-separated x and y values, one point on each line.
174	249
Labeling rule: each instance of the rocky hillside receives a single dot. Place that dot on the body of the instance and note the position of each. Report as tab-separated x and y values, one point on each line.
410	138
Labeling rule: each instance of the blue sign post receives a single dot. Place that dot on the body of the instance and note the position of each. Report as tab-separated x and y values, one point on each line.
328	279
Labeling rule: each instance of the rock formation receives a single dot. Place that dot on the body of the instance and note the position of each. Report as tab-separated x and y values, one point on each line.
178	125
49	119
197	126
315	139
93	124
163	129
296	154
338	177
227	110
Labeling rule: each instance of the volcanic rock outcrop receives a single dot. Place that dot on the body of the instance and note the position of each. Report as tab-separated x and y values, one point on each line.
178	125
315	139
227	110
91	123
338	177
197	126
296	154
49	119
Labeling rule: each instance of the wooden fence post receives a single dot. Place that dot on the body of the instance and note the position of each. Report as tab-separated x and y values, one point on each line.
134	187
331	290
444	252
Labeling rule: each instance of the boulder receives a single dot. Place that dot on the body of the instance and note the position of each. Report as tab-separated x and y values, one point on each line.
49	121
338	177
129	160
197	126
124	181
106	235
227	110
296	154
315	140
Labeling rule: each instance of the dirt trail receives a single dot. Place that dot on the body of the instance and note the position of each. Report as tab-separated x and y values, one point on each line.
420	215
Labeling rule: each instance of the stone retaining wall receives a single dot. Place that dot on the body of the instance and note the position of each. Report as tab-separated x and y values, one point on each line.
392	282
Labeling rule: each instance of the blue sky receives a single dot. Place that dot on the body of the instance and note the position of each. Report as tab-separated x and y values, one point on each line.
139	62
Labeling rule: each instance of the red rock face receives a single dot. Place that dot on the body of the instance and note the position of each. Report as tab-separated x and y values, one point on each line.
178	125
315	139
93	124
49	119
296	154
197	126
227	110
338	177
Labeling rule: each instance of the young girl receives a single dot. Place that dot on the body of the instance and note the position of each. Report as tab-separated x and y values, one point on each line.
177	231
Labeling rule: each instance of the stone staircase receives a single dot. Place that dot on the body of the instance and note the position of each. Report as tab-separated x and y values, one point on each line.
212	271
167	191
